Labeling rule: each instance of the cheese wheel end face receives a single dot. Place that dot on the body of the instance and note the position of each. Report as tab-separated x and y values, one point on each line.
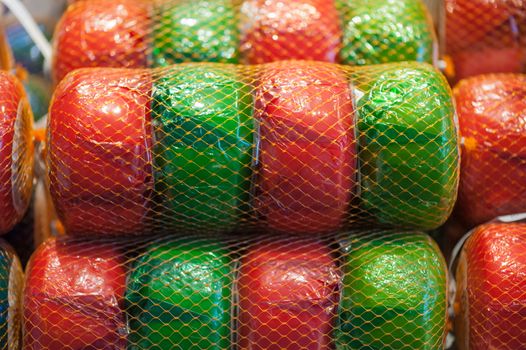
16	152
99	151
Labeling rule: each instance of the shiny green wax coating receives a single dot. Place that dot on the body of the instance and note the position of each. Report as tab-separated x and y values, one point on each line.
381	31
196	31
203	126
394	293
179	296
409	154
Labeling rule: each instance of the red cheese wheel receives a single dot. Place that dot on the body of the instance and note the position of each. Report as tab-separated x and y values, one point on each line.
73	297
16	152
472	62
275	30
492	116
101	33
307	147
288	295
469	21
99	146
491	288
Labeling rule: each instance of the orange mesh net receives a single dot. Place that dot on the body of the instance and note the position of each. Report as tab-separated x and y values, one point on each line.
371	289
486	36
295	147
491	289
140	33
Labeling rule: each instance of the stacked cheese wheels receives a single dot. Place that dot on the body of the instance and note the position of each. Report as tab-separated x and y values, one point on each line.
16	151
379	289
296	147
485	36
491	298
491	111
134	33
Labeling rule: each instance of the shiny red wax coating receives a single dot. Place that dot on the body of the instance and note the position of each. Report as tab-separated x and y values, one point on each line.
11	91
493	288
274	30
73	297
485	36
307	147
469	21
288	294
101	33
99	151
492	116
473	62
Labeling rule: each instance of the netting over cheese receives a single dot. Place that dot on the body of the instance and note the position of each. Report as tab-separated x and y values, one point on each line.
486	36
491	289
11	283
16	151
141	33
492	115
297	147
372	289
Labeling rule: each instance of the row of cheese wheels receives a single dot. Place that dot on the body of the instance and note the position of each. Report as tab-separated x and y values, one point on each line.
135	33
298	147
490	125
374	290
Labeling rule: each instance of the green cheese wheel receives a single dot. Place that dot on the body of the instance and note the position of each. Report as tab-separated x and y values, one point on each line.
179	296
196	31
394	293
11	282
408	145
381	31
203	124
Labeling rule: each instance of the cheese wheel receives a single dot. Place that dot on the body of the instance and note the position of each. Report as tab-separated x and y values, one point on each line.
490	288
204	146
73	297
491	111
99	151
394	292
180	296
409	151
16	152
288	292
